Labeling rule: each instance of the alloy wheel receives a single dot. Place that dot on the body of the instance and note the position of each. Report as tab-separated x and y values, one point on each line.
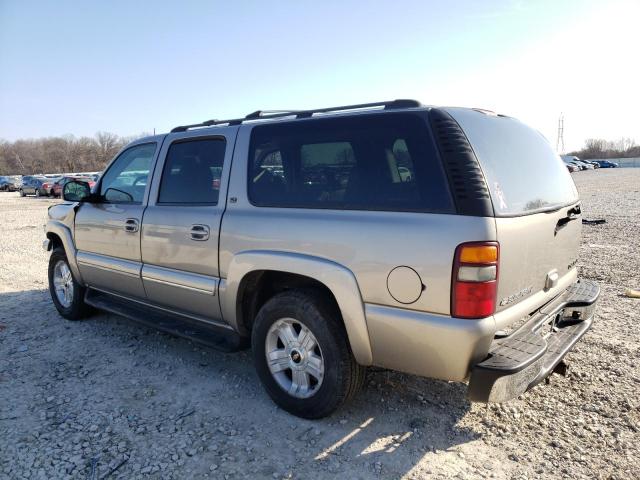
294	358
63	283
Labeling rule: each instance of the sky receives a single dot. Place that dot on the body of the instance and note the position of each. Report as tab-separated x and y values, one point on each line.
79	67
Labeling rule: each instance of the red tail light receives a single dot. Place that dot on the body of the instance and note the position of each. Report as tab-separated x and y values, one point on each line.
474	280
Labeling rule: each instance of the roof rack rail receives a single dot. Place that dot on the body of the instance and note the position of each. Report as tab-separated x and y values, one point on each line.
269	114
262	113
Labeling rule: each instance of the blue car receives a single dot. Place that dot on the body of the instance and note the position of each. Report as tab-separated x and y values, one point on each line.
607	164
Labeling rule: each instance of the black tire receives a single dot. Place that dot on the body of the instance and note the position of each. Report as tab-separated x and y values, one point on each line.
343	376
77	310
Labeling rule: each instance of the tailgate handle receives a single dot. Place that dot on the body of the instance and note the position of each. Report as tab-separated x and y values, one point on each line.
572	214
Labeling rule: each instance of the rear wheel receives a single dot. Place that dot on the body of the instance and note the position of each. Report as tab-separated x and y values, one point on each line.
302	355
67	294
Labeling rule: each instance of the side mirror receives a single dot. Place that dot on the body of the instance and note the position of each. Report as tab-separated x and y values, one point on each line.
76	191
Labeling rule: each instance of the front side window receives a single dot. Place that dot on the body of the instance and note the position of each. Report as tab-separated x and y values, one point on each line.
192	172
378	162
126	179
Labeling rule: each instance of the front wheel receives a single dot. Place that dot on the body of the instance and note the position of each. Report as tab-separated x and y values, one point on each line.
67	294
302	354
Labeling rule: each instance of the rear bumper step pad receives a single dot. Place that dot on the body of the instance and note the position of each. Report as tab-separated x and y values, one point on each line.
526	357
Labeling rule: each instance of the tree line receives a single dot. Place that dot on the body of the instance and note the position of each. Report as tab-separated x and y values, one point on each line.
600	148
66	154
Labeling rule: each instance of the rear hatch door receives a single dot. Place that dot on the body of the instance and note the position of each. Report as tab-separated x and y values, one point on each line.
537	210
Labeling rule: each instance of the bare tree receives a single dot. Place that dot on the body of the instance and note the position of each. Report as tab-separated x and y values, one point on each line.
108	145
64	154
599	148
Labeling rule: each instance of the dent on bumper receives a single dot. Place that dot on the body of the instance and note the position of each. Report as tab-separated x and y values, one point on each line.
427	344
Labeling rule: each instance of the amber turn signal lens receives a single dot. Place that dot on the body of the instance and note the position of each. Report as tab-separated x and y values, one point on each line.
479	254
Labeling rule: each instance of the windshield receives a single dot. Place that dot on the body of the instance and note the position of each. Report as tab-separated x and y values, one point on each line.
523	172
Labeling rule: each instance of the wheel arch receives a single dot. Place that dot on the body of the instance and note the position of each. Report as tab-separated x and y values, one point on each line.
59	235
249	282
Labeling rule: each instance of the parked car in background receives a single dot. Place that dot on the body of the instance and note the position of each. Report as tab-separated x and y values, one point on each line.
607	164
569	160
572	167
595	164
579	166
587	165
584	165
32	185
48	185
59	185
9	184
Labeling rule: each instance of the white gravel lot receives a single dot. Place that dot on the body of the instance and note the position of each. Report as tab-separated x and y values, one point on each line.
106	398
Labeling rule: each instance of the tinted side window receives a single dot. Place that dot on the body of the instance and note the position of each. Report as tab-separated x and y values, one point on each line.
192	172
126	179
376	162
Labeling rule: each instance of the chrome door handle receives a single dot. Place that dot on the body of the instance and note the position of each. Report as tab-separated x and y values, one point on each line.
131	225
199	233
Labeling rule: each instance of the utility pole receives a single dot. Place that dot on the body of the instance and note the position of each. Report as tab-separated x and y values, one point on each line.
560	140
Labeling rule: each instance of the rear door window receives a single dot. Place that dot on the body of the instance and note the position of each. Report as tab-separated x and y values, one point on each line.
524	174
192	172
361	162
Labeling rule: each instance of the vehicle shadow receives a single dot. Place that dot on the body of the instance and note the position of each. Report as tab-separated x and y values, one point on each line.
397	422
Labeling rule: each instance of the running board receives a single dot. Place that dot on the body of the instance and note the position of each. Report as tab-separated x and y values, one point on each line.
220	338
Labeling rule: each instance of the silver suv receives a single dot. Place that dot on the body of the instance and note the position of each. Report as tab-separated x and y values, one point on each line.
436	241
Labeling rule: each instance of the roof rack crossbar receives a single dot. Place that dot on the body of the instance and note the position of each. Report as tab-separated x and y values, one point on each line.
270	114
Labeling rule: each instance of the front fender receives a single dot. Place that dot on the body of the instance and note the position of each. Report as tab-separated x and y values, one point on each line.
62	231
337	278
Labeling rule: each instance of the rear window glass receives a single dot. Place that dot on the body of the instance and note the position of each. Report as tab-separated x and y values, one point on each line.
373	162
523	172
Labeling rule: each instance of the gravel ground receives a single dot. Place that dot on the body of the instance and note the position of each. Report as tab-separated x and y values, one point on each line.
107	398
